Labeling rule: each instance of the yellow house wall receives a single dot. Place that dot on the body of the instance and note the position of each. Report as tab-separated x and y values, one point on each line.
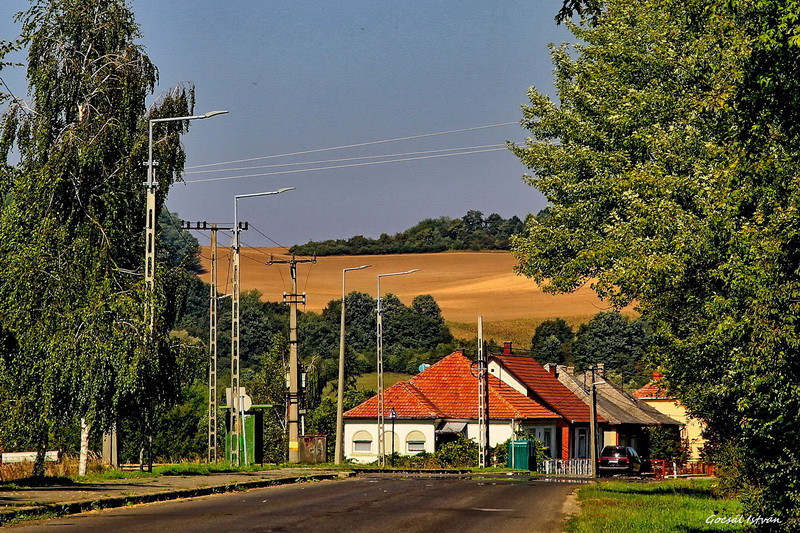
692	431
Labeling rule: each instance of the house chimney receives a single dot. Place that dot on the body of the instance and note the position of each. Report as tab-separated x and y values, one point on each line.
570	370
506	347
552	368
601	370
657	376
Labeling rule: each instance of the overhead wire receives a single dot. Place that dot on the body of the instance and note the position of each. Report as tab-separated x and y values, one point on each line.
342	159
356	145
351	165
273	241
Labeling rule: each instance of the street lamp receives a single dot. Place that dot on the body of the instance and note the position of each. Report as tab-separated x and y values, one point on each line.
338	455
150	253
150	209
236	399
379	325
593	425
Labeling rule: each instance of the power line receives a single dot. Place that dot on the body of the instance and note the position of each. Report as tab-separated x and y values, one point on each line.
273	241
224	178
339	160
354	145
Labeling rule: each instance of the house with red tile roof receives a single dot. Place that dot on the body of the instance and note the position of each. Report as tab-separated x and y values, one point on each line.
626	417
437	405
621	418
568	436
656	394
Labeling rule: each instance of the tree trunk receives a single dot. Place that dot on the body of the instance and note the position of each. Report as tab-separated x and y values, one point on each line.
38	463
83	462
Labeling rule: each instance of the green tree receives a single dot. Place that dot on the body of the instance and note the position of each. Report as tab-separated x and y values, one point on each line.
670	163
552	341
268	386
72	218
610	338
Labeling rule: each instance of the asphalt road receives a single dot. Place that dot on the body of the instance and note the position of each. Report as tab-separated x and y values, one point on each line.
384	503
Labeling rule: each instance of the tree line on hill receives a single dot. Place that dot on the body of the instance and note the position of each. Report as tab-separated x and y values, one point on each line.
473	231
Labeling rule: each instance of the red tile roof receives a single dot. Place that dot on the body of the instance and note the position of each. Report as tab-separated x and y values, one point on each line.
653	390
448	389
546	387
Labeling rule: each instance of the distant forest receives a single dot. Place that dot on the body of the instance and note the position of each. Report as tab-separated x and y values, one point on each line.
473	231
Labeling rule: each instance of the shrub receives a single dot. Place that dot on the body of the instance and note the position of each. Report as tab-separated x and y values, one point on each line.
460	452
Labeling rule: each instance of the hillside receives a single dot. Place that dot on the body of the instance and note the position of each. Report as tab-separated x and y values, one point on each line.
465	284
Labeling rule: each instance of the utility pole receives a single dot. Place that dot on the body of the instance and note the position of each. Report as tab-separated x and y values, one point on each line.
593	427
212	336
236	394
379	365
150	257
338	449
236	418
483	400
293	405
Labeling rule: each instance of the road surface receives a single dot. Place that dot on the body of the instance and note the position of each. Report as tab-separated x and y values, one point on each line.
380	503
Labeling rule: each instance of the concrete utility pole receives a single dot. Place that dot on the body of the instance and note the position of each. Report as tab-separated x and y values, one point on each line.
236	393
483	400
236	422
212	336
338	454
293	405
150	249
379	363
593	424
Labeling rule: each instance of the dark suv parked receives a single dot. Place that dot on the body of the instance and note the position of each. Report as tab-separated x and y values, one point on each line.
619	460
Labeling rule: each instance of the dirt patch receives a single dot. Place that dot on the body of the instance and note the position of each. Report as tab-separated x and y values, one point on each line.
571	505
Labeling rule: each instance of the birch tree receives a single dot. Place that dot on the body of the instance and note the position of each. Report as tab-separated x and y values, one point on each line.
72	219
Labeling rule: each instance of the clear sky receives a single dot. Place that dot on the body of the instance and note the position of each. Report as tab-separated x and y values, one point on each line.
301	76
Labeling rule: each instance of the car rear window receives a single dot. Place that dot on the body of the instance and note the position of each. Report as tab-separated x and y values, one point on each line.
613	450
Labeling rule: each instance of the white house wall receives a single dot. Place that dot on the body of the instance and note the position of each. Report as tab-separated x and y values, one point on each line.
402	429
499	431
503	375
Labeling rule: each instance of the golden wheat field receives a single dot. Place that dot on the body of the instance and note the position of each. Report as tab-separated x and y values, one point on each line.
465	285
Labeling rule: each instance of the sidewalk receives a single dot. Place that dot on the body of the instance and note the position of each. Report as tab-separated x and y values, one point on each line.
60	499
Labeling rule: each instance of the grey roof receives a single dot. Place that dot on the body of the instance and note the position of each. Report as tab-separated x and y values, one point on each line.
614	404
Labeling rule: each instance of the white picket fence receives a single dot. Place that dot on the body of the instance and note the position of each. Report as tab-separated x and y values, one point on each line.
568	467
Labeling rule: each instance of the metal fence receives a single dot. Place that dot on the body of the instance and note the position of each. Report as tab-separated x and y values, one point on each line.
568	467
662	468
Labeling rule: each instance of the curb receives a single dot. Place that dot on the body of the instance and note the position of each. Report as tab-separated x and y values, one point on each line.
62	509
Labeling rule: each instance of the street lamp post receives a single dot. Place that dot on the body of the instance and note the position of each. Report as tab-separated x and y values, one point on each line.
593	425
393	416
150	251
379	327
339	455
150	210
236	397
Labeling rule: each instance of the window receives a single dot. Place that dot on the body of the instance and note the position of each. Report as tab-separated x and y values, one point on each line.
362	445
415	446
415	442
581	443
362	442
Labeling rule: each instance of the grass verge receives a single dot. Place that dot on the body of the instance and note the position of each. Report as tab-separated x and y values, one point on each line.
673	505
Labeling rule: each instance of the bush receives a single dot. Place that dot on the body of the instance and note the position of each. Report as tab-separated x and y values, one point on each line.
460	452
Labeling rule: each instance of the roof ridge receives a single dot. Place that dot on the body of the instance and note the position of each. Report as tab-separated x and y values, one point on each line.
422	397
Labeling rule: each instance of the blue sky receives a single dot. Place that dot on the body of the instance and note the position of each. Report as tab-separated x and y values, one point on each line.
299	76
